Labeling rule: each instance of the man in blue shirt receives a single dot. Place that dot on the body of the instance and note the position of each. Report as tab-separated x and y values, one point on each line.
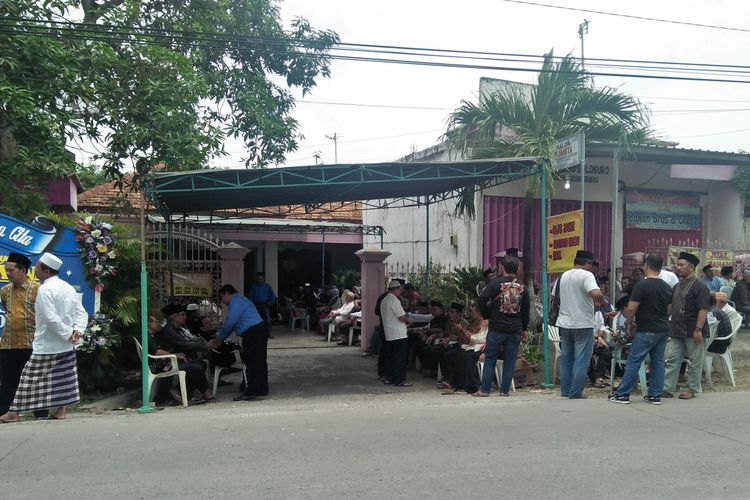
243	319
712	282
261	293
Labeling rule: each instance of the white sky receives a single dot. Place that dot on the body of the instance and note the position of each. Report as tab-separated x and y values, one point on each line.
381	134
492	25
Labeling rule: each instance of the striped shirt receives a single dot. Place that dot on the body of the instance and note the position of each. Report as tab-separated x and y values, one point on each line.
20	316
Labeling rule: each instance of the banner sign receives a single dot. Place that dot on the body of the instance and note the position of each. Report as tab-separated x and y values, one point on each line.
569	151
674	252
563	240
665	210
191	284
33	239
718	259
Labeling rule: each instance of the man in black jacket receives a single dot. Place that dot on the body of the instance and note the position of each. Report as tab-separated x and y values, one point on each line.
505	304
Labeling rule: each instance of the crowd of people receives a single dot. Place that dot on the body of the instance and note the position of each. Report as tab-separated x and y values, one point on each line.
663	317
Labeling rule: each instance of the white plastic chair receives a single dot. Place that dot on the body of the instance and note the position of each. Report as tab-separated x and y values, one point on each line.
357	326
297	314
153	377
498	374
726	356
238	363
553	334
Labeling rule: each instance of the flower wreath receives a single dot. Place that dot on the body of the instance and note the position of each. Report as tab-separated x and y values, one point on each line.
97	240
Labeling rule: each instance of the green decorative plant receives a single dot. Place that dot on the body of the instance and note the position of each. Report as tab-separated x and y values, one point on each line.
346	278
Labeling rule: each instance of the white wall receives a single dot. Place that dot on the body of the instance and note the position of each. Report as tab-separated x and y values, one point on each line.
405	235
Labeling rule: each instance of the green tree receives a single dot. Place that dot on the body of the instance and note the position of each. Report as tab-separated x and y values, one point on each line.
148	83
563	102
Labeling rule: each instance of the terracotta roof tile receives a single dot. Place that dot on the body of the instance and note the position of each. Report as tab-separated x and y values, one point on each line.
106	197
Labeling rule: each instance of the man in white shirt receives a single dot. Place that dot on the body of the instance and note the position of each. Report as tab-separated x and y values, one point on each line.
669	277
50	379
578	293
394	320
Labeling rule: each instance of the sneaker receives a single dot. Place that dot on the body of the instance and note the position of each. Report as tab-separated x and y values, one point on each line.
619	399
654	400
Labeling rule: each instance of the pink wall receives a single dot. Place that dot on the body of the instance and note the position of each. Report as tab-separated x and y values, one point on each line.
503	227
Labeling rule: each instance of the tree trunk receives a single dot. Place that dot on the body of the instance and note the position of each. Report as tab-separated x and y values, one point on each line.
528	277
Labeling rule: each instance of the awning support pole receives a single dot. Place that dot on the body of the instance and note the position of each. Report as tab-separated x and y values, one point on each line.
323	260
427	243
145	406
545	292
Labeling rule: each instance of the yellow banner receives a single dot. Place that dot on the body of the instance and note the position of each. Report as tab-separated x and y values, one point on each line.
563	240
719	258
190	284
674	252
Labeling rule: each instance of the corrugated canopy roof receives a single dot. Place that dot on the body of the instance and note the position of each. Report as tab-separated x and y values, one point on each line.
378	185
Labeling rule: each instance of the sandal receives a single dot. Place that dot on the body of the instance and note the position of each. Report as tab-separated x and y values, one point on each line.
687	395
450	392
444	385
480	394
405	383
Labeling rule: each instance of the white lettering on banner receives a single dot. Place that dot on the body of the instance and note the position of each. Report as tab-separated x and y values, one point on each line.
21	236
595	170
2	231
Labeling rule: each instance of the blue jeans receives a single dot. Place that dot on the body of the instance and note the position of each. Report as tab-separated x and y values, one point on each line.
576	347
653	345
509	343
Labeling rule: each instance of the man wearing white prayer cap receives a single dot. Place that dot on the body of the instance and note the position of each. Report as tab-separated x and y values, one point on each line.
50	379
394	320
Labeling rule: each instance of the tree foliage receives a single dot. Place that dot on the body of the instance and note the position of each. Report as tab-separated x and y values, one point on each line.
148	82
563	102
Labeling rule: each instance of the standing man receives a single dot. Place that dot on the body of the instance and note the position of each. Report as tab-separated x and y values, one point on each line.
18	299
243	319
578	293
505	303
669	277
394	320
261	293
690	304
50	378
649	306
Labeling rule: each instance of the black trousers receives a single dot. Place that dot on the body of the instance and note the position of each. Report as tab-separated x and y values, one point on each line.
430	355
255	353
464	375
382	356
12	362
195	377
397	357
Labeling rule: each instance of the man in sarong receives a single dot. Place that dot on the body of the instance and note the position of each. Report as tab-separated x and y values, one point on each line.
50	379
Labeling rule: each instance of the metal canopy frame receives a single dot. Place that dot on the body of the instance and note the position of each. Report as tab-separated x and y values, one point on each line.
378	185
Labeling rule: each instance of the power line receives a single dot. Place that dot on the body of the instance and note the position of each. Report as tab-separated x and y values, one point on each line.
693	99
629	16
726	132
364	105
209	40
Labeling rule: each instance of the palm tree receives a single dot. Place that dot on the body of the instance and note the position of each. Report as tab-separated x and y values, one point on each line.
562	103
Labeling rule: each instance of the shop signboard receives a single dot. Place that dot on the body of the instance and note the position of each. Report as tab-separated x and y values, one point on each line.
563	240
190	284
569	151
36	237
718	259
664	210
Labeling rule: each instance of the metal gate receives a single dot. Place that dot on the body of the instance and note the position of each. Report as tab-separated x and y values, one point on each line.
184	266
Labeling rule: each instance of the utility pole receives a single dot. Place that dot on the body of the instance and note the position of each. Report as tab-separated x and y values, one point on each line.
316	155
583	29
335	139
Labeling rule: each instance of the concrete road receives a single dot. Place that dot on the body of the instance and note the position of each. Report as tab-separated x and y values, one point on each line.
411	444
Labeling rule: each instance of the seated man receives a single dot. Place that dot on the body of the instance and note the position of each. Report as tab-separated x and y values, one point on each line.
601	358
726	315
435	344
340	315
195	377
727	280
741	295
175	337
458	365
